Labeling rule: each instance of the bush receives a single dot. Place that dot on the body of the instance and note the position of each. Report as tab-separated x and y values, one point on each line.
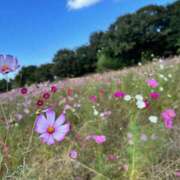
105	62
146	56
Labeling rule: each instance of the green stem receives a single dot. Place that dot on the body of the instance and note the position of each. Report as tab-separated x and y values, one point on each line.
133	164
133	129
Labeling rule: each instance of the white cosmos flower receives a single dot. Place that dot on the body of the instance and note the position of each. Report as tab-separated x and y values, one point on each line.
139	64
161	76
165	78
127	97
169	96
153	119
95	112
139	97
140	104
170	75
161	66
161	89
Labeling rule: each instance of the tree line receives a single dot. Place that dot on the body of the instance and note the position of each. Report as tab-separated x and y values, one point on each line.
151	31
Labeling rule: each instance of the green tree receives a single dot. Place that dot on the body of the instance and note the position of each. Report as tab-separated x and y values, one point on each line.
27	75
45	73
65	63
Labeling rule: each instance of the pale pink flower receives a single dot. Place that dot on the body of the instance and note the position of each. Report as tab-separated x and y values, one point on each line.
99	139
152	83
8	64
178	174
73	154
51	129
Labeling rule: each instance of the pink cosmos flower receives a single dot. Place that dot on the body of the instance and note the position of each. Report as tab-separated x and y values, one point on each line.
99	139
101	92
152	83
178	174
154	95
93	99
119	94
168	115
8	64
69	92
73	154
125	167
112	157
51	130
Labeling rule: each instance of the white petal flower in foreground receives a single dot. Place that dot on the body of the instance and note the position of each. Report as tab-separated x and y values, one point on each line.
140	104
127	97
139	97
161	89
153	119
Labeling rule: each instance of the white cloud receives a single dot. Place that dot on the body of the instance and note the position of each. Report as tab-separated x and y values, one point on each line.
78	4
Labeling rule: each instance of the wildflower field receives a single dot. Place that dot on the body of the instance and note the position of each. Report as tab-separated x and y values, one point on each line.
120	125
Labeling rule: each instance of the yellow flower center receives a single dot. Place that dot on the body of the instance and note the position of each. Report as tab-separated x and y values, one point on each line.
50	129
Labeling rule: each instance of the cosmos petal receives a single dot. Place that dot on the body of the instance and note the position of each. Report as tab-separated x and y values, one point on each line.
61	131
50	117
41	124
60	120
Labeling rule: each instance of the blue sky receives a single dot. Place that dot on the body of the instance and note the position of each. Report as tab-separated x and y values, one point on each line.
34	30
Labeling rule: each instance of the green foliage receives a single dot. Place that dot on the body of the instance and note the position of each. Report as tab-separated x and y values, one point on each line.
146	56
45	73
105	63
27	75
65	63
178	46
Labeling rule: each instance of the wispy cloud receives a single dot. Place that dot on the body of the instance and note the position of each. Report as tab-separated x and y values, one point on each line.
78	4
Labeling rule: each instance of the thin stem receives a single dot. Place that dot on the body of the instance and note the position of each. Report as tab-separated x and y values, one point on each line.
133	164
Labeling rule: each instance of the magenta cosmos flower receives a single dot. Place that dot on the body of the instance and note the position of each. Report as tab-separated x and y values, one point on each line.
168	116
119	94
46	95
154	95
8	64
99	139
93	99
40	103
152	83
51	130
24	91
53	88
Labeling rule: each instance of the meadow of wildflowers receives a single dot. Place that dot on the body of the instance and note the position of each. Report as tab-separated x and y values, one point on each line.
113	126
